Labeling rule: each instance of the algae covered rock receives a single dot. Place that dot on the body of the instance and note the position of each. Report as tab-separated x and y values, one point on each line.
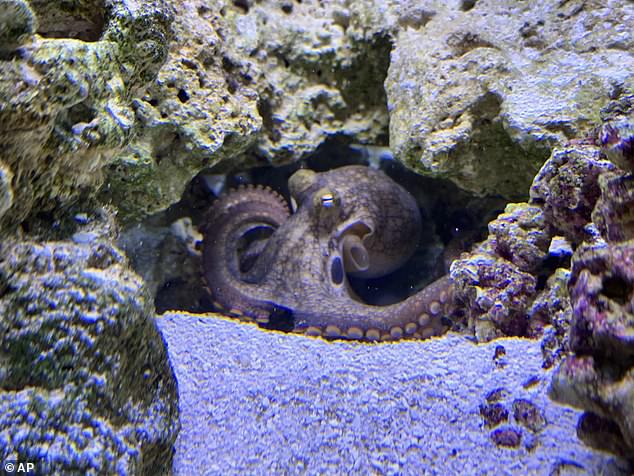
550	315
567	187
6	192
481	91
66	96
85	382
614	210
599	378
616	134
17	25
497	280
250	84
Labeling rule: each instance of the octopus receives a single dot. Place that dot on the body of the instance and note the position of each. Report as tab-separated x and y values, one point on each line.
258	258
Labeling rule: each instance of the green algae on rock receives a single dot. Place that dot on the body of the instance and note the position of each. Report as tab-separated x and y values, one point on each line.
66	103
17	25
244	86
85	382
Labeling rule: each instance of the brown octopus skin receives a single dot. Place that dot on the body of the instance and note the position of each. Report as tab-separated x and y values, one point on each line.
300	268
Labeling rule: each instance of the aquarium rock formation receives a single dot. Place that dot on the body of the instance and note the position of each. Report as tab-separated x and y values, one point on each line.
124	102
472	95
479	99
85	382
66	83
498	279
599	376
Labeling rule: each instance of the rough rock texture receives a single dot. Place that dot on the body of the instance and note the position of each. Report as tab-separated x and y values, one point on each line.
550	315
468	89
496	281
17	25
256	402
66	108
600	377
85	383
499	281
616	134
273	78
567	188
479	91
614	210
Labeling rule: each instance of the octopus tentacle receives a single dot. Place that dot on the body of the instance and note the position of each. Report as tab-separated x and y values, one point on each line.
419	316
229	220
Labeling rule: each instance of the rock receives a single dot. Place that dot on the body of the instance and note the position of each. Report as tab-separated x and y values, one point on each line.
481	91
567	188
496	282
520	236
17	25
614	210
67	108
602	293
549	317
261	83
85	383
495	293
6	192
616	134
599	377
250	84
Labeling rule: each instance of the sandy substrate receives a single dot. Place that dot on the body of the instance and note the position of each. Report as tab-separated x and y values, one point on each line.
258	402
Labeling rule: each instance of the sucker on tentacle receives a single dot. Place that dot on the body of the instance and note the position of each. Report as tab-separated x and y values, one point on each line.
351	220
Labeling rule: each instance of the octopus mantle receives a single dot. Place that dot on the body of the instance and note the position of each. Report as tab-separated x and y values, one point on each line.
349	221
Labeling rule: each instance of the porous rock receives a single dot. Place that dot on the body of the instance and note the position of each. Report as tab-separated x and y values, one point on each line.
481	91
616	133
599	378
85	382
251	83
613	213
549	317
496	281
65	95
17	25
567	188
495	294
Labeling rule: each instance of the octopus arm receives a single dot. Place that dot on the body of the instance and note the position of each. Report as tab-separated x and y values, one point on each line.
419	316
232	217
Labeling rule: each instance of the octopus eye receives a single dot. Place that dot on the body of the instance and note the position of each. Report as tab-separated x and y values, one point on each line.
328	200
336	270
